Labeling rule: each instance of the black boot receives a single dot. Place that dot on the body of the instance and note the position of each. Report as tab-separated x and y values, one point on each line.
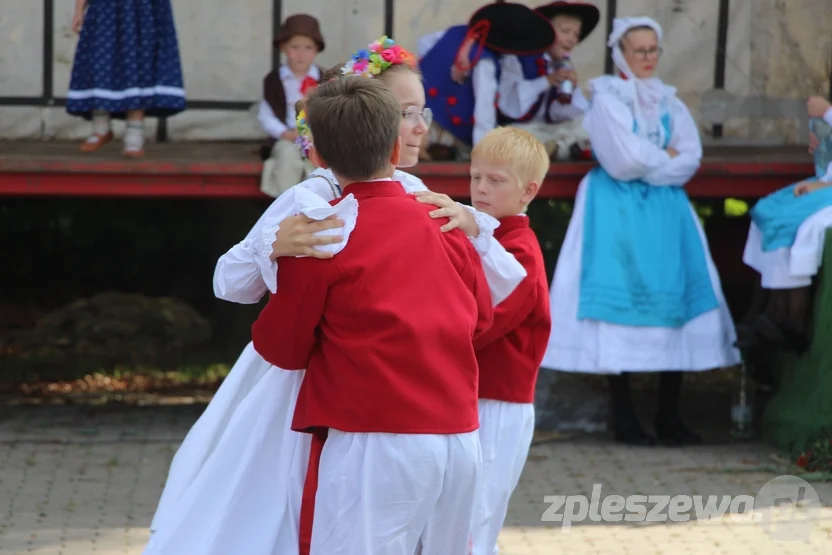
670	430
626	426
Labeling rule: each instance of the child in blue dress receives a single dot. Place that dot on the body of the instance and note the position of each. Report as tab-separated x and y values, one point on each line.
126	66
785	244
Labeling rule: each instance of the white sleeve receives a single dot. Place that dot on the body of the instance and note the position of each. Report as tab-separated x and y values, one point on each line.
518	94
502	271
621	153
245	273
686	141
484	80
827	117
576	108
427	42
269	122
827	178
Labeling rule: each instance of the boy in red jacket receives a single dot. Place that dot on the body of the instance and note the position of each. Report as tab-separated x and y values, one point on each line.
385	331
507	168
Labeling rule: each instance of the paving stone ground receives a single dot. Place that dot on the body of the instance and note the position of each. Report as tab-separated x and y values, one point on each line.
77	480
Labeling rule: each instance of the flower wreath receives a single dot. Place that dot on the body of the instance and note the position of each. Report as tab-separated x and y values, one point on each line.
304	140
377	57
369	62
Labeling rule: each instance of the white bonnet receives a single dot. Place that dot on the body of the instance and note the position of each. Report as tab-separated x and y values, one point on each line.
621	25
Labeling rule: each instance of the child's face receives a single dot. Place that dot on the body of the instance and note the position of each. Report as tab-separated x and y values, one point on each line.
300	52
567	35
408	89
497	190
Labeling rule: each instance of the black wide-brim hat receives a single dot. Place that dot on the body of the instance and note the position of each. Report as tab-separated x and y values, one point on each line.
512	28
587	13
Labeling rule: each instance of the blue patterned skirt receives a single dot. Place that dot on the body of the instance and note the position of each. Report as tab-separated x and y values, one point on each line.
127	59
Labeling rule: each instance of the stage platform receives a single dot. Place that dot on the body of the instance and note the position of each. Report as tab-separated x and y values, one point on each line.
232	170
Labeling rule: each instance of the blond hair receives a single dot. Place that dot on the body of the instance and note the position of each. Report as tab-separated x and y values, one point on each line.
521	151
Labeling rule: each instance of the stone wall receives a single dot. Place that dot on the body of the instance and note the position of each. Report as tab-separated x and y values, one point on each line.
780	49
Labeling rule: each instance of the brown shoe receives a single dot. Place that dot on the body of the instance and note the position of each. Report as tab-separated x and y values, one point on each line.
94	142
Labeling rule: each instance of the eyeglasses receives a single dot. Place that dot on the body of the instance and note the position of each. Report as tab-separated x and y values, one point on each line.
647	53
413	116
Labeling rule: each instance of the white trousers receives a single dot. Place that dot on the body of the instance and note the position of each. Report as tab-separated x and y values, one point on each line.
286	167
506	431
389	494
562	134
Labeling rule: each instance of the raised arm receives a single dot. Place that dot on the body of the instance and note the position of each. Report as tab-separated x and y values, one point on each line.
249	268
502	271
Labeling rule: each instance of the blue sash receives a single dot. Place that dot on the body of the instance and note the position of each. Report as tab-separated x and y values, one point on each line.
643	262
780	214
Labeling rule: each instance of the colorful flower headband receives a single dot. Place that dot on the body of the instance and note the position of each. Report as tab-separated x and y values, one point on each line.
377	57
304	140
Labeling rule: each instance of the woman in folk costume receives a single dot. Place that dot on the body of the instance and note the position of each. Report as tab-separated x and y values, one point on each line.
236	482
541	93
785	244
460	66
635	288
126	66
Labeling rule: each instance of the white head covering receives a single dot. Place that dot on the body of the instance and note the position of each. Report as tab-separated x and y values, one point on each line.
650	92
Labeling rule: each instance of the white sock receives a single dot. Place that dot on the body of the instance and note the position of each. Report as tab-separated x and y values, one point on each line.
100	123
134	136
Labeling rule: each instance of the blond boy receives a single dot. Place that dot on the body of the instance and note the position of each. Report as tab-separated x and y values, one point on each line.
508	167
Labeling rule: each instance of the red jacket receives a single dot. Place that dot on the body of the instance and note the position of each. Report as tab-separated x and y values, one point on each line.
510	352
384	328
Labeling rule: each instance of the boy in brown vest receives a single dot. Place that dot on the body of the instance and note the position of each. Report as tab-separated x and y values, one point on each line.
299	40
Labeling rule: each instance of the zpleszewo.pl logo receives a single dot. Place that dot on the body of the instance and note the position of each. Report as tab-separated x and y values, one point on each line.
787	508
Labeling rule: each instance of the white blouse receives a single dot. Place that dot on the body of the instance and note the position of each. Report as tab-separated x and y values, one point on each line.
245	273
517	94
626	156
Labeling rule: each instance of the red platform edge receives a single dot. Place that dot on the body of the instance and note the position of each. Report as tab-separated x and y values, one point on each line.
148	178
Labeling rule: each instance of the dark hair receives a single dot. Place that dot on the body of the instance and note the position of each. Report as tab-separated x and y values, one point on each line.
355	125
332	73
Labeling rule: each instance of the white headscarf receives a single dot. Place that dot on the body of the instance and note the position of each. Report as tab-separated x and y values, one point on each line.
650	92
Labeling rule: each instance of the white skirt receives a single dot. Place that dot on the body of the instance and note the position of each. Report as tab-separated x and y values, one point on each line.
790	267
592	346
236	482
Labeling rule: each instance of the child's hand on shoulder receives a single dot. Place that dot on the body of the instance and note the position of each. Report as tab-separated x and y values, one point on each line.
290	135
459	217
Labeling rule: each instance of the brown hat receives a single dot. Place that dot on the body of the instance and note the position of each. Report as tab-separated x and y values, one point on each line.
300	24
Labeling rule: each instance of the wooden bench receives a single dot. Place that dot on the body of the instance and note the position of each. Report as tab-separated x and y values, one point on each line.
232	170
